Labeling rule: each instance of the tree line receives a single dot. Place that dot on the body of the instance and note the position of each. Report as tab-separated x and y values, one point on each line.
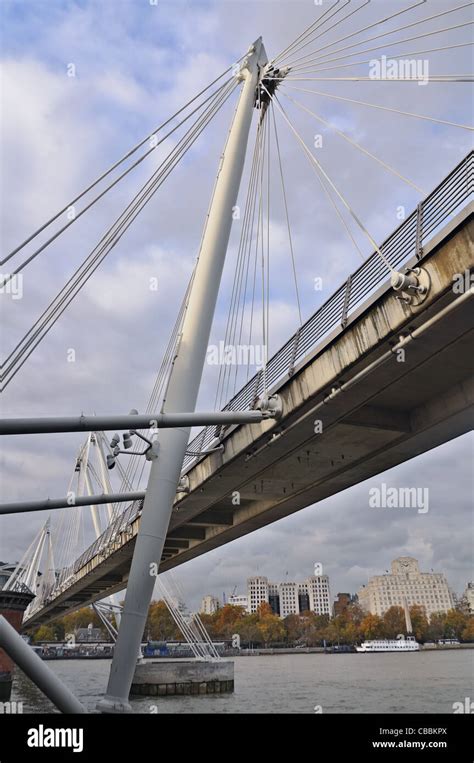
264	628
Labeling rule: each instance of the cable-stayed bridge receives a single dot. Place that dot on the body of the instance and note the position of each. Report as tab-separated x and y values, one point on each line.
394	410
379	374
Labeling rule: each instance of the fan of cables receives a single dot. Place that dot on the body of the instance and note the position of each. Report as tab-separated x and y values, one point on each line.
198	113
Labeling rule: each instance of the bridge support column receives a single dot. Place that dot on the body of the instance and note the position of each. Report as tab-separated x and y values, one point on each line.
182	391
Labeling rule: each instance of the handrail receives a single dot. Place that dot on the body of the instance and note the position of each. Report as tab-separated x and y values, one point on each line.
433	212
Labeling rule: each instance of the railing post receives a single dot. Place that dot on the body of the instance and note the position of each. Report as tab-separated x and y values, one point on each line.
255	393
345	306
291	368
419	231
203	437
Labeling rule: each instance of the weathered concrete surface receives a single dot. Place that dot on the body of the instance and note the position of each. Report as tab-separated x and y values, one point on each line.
400	410
169	677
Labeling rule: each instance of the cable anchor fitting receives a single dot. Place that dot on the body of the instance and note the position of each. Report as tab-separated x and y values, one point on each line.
270	406
414	285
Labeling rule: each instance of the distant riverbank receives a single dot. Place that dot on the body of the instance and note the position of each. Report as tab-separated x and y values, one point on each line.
334	650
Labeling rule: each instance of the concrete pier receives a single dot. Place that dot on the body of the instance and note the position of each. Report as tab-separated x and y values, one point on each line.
170	677
12	607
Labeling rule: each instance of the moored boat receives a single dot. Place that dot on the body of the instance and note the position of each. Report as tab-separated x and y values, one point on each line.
400	644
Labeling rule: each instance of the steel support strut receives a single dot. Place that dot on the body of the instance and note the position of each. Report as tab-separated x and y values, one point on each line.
183	390
49	504
130	421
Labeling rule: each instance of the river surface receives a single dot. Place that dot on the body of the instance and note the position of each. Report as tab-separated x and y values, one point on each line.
307	683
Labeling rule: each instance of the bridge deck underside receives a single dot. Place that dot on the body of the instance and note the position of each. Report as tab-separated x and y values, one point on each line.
399	410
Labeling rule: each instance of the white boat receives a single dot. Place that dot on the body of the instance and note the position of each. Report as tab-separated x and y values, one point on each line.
400	644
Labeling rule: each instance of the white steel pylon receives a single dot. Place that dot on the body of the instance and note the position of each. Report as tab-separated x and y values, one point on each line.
94	446
26	572
183	389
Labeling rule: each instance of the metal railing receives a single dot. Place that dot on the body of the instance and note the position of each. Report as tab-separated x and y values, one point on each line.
403	244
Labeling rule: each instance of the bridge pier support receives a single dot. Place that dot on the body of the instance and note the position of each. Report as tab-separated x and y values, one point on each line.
182	391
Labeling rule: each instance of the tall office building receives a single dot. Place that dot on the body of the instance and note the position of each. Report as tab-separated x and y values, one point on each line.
258	592
290	598
468	598
405	582
209	605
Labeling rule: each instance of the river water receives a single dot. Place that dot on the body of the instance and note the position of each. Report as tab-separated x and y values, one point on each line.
306	683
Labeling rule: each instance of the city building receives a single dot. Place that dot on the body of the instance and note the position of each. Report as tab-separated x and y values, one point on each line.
258	592
468	599
319	594
289	602
274	598
290	598
209	605
239	600
405	582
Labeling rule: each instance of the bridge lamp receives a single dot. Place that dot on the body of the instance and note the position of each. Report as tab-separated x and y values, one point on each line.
115	441
127	440
110	461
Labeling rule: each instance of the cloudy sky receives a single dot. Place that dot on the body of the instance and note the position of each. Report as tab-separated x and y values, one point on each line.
135	64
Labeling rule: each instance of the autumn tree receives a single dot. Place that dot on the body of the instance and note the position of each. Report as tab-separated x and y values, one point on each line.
334	631
44	633
264	609
436	626
419	622
467	633
294	628
160	626
355	613
372	627
81	619
209	623
316	631
350	634
226	619
271	628
394	622
454	624
248	630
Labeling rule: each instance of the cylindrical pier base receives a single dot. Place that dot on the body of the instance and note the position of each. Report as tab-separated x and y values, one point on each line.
177	677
